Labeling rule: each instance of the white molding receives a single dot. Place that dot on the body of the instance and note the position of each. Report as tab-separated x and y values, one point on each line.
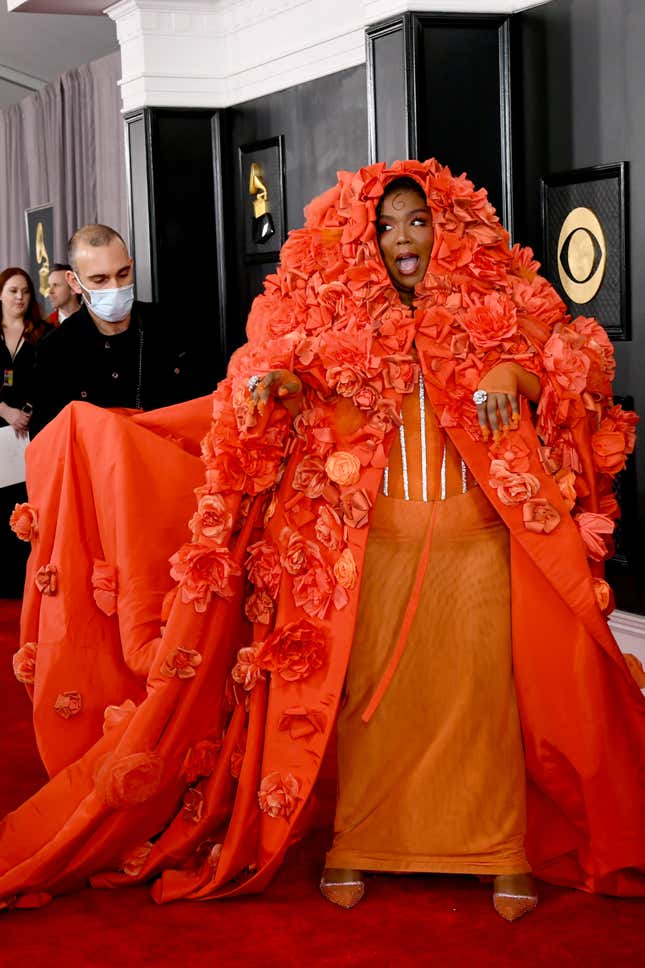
629	631
217	53
381	9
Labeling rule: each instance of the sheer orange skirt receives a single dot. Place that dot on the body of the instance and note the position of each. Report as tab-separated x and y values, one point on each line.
435	780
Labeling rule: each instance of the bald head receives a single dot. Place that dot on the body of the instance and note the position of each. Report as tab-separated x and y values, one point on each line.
89	237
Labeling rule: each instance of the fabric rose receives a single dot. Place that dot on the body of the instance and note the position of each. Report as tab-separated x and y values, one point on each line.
133	863
24	663
603	593
104	583
115	716
259	608
614	440
294	651
345	570
129	780
263	567
566	481
608	448
360	224
356	507
24	522
278	794
596	531
313	589
212	521
343	468
540	516
203	571
302	722
310	477
512	488
251	468
180	663
193	805
200	760
46	579
247	671
400	373
549	459
328	528
491	321
512	449
68	704
297	553
346	380
568	366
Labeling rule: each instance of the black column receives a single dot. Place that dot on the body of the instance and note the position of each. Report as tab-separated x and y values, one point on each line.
176	223
439	86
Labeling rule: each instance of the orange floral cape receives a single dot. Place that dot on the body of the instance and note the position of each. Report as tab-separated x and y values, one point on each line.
203	774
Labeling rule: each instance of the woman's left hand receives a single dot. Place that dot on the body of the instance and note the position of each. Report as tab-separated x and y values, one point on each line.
504	385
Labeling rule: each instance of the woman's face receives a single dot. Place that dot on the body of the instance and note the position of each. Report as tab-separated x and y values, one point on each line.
15	297
405	237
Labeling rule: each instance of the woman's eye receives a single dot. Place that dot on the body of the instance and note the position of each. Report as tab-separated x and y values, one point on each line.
383	227
419	221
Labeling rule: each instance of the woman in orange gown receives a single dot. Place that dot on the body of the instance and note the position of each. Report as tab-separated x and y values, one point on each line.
184	724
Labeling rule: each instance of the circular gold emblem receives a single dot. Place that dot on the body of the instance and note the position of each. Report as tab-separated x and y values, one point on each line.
582	255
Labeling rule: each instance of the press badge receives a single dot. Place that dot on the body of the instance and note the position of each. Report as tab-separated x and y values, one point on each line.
7	380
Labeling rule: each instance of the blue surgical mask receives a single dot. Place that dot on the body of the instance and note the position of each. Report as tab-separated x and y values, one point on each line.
110	305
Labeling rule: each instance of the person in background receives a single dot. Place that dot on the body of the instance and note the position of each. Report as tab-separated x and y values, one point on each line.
21	328
61	295
114	351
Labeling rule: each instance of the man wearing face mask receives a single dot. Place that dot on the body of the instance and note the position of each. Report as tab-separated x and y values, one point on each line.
115	351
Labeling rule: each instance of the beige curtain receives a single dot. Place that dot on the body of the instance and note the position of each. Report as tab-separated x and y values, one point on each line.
64	145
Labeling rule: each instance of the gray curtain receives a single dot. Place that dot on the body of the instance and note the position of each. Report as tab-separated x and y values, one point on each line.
64	145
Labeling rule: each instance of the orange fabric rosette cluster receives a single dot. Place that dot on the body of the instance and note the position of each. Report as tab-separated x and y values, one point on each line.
256	639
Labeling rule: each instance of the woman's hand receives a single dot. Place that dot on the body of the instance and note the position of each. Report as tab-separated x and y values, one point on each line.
504	385
18	419
281	384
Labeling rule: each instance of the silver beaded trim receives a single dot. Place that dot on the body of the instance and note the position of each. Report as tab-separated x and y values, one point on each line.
443	473
422	420
424	458
404	462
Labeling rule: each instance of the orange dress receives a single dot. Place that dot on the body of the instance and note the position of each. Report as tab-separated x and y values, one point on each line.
435	781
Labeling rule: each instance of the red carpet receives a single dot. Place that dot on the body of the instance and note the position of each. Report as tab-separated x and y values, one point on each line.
442	921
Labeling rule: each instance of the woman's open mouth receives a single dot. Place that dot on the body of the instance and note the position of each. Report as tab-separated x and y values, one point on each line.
407	264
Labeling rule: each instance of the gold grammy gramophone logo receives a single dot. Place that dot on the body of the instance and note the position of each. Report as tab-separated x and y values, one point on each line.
42	261
581	255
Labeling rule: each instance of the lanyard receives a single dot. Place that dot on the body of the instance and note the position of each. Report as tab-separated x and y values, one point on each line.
18	346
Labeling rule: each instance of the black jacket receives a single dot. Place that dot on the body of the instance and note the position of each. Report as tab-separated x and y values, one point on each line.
22	389
149	365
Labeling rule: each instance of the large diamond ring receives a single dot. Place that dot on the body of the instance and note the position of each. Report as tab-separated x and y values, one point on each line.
253	382
480	397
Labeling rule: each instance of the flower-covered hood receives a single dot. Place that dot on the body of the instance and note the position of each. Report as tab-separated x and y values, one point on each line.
331	314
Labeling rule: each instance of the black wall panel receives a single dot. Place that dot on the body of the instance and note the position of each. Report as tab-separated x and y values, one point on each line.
324	123
440	86
174	226
583	77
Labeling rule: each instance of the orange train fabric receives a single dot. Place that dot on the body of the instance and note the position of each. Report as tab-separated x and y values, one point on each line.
184	724
435	781
583	787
